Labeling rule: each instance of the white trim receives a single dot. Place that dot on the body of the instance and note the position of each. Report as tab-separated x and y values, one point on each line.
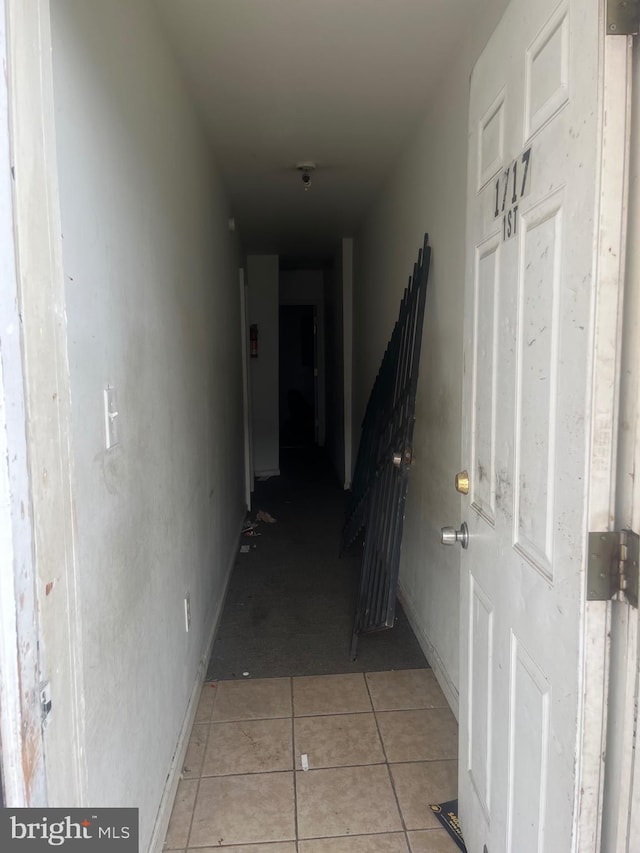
163	816
20	733
246	391
48	401
435	661
621	801
609	266
347	356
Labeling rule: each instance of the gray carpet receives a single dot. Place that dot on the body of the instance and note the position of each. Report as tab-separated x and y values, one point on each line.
290	604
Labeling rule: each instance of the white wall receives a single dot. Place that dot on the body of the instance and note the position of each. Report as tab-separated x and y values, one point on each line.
339	356
334	363
153	309
425	192
262	279
347	355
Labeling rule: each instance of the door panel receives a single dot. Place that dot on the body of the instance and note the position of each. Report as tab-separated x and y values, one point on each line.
486	337
530	308
536	382
528	751
480	712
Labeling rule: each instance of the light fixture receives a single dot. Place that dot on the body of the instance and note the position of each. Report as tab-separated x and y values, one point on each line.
306	170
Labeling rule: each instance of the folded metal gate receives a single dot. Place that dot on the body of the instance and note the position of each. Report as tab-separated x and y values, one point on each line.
380	480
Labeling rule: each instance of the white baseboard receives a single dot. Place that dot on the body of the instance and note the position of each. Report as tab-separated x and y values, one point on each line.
175	771
448	687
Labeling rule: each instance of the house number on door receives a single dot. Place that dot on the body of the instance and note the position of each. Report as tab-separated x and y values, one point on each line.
510	186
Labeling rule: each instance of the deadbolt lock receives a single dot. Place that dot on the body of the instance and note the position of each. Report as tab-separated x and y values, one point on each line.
462	482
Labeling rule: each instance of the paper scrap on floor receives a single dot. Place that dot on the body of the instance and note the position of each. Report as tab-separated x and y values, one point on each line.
261	515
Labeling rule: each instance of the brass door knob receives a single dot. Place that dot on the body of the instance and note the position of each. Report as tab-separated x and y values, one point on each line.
462	482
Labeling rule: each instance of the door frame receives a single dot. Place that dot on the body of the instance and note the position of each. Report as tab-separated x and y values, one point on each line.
609	298
621	786
55	758
246	390
318	304
347	356
22	768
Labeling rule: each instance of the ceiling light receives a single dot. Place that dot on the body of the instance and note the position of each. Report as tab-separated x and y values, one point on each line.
306	169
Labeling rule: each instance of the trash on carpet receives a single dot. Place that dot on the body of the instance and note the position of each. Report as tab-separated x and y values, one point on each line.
249	526
261	515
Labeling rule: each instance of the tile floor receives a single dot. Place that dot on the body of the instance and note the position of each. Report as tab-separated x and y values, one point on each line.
381	747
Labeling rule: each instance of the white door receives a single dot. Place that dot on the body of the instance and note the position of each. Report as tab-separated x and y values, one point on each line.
536	446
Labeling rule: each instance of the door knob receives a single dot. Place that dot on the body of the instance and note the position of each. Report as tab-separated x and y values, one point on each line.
402	457
449	535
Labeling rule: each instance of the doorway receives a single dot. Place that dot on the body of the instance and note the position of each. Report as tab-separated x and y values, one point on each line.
298	376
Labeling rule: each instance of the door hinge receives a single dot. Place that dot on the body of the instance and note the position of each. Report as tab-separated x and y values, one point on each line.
45	703
612	566
623	17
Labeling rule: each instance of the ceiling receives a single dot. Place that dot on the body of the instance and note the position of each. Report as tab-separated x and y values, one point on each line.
338	82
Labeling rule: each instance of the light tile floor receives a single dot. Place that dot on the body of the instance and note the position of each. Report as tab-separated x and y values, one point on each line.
381	747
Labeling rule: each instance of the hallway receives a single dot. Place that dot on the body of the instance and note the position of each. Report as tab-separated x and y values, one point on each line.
380	739
289	607
177	177
381	748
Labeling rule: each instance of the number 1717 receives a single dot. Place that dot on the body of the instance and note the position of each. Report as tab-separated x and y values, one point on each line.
512	184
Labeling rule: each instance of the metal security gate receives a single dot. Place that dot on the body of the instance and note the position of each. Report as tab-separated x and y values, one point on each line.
384	458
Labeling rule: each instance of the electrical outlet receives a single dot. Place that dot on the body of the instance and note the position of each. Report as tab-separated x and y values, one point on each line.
187	612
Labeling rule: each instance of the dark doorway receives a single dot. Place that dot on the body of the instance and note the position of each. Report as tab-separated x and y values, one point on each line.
297	376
